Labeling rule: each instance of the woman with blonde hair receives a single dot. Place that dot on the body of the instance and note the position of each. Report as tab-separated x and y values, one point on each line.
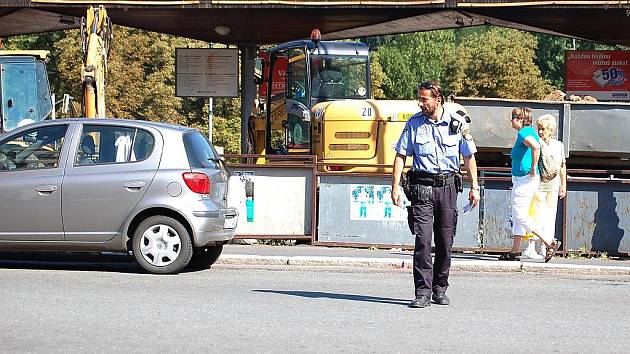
525	183
546	199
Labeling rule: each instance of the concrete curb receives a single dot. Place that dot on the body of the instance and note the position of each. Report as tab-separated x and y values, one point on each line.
245	259
574	269
378	263
486	266
406	264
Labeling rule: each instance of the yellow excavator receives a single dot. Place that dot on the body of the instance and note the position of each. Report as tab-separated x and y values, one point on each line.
316	99
96	36
25	95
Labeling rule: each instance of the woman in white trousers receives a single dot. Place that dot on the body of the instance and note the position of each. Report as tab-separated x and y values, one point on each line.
546	198
525	183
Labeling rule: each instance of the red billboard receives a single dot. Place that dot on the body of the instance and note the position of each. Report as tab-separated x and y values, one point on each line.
279	74
602	74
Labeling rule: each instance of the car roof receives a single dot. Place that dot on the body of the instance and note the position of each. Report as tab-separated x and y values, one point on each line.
157	125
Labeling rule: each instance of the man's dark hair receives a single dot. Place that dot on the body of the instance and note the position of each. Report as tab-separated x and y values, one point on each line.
432	86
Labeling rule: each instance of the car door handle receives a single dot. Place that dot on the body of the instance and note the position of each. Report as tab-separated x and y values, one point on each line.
134	185
46	189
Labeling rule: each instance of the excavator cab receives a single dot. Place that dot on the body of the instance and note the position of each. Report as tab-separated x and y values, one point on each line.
24	89
295	77
335	77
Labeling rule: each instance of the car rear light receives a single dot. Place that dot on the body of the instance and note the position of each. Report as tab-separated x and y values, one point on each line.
197	182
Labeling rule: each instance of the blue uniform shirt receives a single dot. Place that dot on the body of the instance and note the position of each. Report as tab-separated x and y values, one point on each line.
433	147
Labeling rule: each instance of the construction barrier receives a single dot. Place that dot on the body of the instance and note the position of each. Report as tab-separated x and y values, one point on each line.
355	209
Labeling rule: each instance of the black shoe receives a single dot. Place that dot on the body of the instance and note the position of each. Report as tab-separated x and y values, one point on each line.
441	299
421	301
510	256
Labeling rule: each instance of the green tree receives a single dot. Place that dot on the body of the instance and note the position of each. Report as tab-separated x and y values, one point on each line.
226	129
550	58
408	59
498	63
377	77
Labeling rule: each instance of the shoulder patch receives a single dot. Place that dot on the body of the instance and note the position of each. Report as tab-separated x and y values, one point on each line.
466	134
462	115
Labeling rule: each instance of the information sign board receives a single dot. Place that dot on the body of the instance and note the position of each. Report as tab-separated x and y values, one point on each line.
206	72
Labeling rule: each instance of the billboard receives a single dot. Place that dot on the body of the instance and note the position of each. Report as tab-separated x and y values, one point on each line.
602	74
279	76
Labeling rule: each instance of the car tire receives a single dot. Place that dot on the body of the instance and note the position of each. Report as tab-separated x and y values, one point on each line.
205	257
162	245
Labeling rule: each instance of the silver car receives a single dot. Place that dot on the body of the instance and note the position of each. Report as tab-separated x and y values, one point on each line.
157	190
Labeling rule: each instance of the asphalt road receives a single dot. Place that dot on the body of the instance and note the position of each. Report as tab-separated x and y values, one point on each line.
113	308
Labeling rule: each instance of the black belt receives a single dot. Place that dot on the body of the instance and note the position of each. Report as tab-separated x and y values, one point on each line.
433	180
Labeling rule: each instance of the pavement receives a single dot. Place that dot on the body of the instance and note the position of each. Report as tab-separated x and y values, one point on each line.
319	257
314	256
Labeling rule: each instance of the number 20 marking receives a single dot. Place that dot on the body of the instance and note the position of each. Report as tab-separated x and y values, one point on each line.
367	112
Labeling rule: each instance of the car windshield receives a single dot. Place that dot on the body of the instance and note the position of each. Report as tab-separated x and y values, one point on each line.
201	153
339	76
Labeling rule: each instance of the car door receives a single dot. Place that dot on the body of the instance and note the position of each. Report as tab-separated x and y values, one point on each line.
106	176
31	174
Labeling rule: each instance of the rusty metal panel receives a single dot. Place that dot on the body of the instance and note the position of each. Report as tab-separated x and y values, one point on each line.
491	120
496	205
337	225
468	232
588	129
600	129
496	212
597	217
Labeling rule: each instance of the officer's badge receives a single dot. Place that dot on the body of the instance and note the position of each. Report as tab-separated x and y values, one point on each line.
454	126
466	134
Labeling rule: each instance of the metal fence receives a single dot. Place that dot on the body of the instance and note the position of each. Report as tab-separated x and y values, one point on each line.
293	199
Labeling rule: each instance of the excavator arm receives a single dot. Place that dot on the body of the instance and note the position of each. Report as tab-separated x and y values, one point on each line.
96	35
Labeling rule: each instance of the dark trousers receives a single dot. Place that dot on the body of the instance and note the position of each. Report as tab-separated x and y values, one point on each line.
435	212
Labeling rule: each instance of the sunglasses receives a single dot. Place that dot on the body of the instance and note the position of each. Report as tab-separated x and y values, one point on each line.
426	85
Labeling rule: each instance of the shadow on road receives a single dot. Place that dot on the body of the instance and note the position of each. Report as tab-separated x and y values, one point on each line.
462	256
475	256
68	261
76	261
351	297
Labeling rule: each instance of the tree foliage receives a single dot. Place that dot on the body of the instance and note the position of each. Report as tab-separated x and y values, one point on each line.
377	77
498	63
408	59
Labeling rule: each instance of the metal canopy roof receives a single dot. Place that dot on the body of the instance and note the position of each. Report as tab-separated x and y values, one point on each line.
274	21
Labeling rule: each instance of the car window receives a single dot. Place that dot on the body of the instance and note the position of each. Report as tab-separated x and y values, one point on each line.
142	145
34	149
103	144
200	152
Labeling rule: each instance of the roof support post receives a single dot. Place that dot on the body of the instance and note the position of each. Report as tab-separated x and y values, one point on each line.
248	91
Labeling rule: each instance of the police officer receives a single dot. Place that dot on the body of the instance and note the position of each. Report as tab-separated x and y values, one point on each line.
435	137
